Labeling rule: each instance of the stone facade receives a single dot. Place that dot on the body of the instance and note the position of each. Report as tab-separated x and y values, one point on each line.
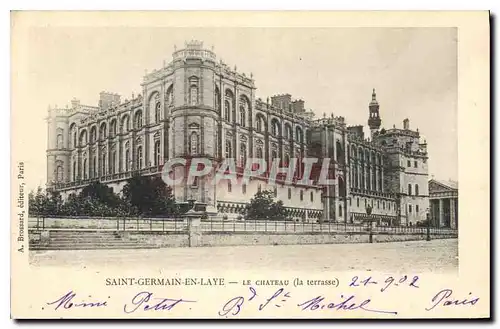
196	106
444	203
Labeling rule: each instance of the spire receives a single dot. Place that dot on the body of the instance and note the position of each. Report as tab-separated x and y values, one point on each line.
374	120
374	98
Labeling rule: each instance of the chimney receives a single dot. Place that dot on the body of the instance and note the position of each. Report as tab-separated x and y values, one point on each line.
298	106
406	124
106	100
75	103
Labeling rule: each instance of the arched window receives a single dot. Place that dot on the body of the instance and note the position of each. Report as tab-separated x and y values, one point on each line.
94	167
60	144
340	210
138	120
288	131
217	99
259	152
112	128
84	168
194	144
274	154
157	153
243	115
83	138
125	124
416	189
93	134
228	104
299	135
169	99
275	128
72	136
243	154
102	131
409	189
127	160
59	172
193	95
138	163
229	149
103	165
157	112
287	159
113	162
227	110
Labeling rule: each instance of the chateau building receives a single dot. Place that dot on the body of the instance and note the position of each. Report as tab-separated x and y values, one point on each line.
196	106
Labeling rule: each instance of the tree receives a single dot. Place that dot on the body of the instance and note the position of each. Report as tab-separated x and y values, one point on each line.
262	206
149	196
100	193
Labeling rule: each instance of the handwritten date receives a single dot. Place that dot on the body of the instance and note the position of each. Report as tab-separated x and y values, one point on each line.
388	282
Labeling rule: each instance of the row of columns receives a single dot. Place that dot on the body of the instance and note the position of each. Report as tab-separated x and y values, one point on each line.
453	216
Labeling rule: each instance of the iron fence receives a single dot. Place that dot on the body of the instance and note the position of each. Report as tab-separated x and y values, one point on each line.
181	224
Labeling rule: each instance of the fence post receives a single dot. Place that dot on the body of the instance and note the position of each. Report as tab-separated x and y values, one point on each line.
234	225
294	224
118	224
151	224
275	226
244	225
223	225
265	225
163	225
43	223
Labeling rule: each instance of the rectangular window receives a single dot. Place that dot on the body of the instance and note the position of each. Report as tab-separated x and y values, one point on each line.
244	188
415	164
301	195
229	186
357	202
409	163
416	208
409	208
289	193
383	205
312	196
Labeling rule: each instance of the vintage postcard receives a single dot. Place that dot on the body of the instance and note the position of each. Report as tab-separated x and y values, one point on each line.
249	165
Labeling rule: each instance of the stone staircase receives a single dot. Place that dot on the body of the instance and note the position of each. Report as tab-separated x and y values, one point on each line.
87	240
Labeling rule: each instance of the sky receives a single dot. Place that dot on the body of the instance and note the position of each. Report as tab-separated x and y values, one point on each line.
414	71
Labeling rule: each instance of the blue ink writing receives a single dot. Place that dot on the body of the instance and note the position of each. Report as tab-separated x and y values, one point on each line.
365	282
145	301
444	298
232	305
66	302
348	304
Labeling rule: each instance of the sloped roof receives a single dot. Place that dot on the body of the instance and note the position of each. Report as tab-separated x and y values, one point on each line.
447	183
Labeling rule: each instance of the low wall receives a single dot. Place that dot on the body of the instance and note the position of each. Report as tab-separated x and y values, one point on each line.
212	239
158	239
